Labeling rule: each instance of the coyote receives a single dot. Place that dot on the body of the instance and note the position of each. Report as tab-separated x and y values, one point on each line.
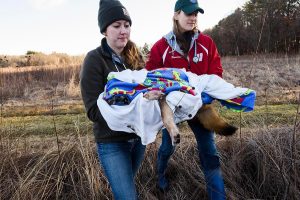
206	115
123	87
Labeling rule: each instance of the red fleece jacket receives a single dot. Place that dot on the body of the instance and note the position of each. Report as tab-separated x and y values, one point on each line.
162	55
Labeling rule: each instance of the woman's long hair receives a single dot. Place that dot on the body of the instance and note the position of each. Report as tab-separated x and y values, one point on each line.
183	38
133	56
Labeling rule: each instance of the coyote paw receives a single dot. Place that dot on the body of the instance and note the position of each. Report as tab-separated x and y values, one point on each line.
175	136
154	95
228	130
176	140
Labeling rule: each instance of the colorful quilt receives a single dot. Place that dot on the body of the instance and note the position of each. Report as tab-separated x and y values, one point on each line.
166	80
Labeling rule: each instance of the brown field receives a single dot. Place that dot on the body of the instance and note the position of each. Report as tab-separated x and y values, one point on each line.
47	148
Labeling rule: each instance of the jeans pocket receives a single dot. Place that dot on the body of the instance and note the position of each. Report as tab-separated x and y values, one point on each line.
107	149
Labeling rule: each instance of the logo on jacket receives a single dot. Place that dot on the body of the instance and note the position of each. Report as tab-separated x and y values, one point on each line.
198	57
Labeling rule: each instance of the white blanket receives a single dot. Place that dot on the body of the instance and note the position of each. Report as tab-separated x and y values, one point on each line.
143	116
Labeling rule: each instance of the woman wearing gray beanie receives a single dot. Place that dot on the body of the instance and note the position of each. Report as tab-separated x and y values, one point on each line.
120	153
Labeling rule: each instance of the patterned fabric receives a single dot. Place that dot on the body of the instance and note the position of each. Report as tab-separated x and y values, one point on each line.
165	79
243	103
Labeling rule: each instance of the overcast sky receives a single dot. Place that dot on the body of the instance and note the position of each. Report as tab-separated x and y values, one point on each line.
70	26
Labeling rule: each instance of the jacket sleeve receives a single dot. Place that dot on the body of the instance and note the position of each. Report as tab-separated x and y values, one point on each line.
155	57
91	85
215	66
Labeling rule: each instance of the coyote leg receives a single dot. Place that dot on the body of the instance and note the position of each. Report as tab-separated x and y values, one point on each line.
211	120
166	114
168	120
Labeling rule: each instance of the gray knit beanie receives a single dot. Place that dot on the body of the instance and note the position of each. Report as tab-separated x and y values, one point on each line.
111	11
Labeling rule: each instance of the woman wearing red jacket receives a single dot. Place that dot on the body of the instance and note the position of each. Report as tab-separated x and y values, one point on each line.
185	47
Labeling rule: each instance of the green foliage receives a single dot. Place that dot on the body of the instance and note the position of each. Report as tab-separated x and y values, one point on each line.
145	50
29	52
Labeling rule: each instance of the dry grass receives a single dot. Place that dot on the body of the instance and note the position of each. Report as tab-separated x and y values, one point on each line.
42	173
274	77
39	59
39	83
261	162
259	166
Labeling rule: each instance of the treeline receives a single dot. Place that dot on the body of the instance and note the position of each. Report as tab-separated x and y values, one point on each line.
32	58
261	26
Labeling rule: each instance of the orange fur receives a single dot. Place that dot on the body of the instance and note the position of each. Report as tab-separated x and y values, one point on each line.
211	120
207	116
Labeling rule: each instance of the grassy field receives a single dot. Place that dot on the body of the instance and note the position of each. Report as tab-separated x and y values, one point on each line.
64	119
48	152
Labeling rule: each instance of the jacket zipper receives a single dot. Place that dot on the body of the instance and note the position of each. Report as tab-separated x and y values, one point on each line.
189	64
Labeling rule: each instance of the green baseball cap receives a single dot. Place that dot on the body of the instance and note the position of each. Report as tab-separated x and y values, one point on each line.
188	6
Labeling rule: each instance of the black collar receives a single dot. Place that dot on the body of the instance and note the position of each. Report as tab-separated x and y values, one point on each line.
107	51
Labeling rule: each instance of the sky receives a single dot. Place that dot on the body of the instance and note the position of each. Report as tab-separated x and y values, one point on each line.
71	26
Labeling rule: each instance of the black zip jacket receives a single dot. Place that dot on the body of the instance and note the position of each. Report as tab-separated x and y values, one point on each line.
93	77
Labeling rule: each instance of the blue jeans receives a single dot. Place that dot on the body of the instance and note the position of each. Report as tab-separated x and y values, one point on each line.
209	159
121	161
